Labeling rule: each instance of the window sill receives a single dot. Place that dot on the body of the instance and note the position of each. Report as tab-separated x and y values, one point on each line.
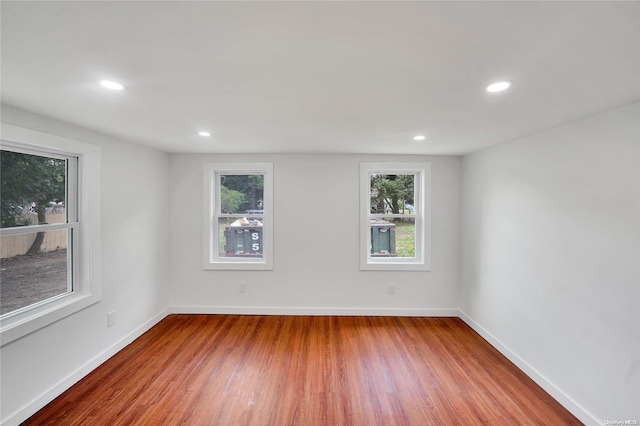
239	266
14	327
395	266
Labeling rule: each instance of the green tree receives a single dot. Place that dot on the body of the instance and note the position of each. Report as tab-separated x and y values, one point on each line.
251	187
29	180
230	200
390	193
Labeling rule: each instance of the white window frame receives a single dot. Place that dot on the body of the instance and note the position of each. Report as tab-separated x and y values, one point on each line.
83	223
211	197
421	214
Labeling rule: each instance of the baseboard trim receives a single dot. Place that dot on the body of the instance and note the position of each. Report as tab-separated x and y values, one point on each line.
568	403
263	310
52	393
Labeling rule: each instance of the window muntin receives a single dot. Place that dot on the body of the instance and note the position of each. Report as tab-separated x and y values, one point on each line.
394	216
73	219
238	216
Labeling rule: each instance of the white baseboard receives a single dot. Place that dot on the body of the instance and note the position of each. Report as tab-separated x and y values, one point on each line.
263	310
55	391
568	403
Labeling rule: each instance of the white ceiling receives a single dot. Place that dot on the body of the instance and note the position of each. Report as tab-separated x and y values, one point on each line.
340	77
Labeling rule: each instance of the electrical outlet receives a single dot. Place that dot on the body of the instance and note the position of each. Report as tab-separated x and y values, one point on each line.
111	318
242	287
392	289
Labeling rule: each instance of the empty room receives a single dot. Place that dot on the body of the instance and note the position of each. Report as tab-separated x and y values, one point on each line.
320	213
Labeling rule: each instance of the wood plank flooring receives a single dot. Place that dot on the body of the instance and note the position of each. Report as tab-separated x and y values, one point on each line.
272	370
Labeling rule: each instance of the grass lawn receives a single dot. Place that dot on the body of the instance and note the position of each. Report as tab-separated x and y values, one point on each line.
405	238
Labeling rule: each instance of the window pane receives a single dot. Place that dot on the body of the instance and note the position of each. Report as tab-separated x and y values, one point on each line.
393	237
33	268
240	237
241	193
33	189
392	194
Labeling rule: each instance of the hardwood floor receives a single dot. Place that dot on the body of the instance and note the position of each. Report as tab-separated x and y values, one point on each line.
272	370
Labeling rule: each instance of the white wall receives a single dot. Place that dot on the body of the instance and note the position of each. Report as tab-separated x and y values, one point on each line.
135	243
551	258
316	226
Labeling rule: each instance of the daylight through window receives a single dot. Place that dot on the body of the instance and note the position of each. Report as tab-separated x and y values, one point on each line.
50	251
238	216
394	220
38	223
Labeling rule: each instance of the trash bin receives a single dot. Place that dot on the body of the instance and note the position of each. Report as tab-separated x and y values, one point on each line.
383	238
243	238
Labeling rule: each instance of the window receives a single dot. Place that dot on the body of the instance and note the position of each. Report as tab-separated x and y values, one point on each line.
394	216
49	230
238	217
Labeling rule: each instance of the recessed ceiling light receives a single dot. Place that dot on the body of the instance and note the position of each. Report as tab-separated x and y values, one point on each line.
113	85
204	134
419	137
499	86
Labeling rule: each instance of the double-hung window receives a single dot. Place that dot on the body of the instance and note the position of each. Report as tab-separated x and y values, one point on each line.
394	216
238	216
49	231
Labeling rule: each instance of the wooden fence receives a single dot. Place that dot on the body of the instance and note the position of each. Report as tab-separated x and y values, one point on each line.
18	245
